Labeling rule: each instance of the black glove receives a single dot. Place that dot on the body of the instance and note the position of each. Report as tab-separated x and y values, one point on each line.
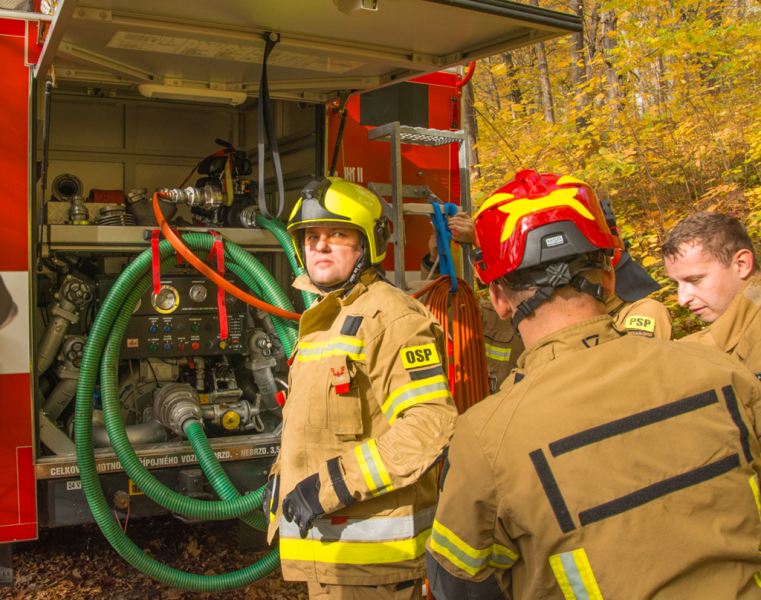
270	498
302	505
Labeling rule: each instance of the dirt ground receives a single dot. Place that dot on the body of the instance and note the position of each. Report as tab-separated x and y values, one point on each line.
78	562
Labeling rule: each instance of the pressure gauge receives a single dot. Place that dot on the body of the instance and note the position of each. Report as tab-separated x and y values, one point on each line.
167	300
230	299
198	293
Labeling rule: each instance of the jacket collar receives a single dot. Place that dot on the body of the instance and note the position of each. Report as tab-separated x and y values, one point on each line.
729	328
344	296
574	338
613	303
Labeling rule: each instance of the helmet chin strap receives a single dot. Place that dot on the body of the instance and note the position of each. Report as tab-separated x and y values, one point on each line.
553	278
356	272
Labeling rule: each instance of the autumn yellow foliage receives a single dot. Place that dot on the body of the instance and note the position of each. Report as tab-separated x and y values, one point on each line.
665	122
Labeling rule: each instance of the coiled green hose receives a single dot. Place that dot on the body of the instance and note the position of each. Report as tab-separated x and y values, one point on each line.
277	228
105	339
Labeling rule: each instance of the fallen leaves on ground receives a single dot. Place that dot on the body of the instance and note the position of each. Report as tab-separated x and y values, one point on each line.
78	563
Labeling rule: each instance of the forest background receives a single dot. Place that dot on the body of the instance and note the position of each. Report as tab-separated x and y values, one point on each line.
655	105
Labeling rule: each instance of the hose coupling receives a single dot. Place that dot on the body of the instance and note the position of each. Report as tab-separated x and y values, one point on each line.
175	404
208	197
248	217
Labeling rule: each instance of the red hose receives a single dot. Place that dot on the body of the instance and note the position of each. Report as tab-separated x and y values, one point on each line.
468	75
470	383
188	255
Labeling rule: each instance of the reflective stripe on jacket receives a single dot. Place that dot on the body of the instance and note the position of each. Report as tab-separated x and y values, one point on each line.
503	346
369	409
613	467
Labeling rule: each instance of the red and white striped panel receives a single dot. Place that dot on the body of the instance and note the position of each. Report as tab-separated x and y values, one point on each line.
18	502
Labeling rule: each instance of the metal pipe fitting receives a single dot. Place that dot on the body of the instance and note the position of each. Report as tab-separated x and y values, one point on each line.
200	365
78	213
208	197
60	397
265	381
72	296
176	404
150	432
248	217
68	373
230	415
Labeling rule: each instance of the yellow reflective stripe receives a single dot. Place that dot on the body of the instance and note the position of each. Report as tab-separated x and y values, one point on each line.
574	575
353	348
373	447
756	493
467	558
363	467
373	469
414	393
498	353
758	579
354	553
565	585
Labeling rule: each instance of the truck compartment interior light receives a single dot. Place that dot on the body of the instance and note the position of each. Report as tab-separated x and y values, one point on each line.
169	92
356	7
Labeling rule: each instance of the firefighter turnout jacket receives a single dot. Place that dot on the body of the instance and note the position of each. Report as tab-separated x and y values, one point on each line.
645	317
369	409
612	467
503	346
738	331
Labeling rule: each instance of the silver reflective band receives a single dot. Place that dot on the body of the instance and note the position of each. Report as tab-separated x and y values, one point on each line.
438	386
475	563
497	353
372	468
574	576
365	530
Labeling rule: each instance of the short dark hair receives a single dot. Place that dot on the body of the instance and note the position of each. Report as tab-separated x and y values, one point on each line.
721	237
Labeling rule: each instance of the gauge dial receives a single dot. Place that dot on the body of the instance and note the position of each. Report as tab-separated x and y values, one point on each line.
198	293
167	300
230	299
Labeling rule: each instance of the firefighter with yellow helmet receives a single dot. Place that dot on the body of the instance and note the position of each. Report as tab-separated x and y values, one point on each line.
368	413
614	465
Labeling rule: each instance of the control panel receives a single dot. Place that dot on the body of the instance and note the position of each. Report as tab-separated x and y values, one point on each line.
182	319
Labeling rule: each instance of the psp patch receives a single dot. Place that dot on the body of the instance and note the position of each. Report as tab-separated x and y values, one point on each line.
419	356
640	325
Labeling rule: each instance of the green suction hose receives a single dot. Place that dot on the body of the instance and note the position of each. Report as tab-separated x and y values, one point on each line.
277	228
156	491
105	339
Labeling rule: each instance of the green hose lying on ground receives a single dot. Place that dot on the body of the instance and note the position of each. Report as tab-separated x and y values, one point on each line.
105	340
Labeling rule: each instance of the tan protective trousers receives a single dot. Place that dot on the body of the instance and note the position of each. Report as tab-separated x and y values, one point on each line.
321	591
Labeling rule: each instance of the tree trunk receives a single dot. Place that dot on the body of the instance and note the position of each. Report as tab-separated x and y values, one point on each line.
579	70
660	82
544	78
591	38
514	94
471	126
511	72
609	22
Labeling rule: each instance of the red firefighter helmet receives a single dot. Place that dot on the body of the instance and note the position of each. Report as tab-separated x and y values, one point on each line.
538	220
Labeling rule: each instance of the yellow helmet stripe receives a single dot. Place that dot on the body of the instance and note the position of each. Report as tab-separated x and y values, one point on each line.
491	201
566	179
521	208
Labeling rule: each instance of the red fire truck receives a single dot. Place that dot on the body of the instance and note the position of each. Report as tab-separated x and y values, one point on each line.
108	101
